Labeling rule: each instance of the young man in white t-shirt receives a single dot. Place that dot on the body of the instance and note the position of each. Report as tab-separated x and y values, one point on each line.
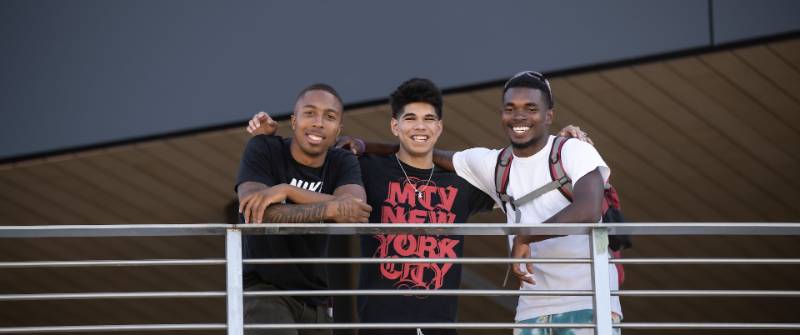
526	116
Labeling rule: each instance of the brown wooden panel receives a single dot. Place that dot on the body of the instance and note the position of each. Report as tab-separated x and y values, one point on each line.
485	118
789	51
56	213
378	121
224	167
81	179
45	189
174	184
773	68
634	172
223	144
755	86
164	202
683	133
671	142
210	181
750	152
702	120
459	123
376	132
645	153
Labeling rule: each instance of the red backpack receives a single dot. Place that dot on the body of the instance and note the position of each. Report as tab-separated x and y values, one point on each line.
560	181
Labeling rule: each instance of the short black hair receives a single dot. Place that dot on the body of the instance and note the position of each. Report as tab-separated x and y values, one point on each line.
531	79
416	90
321	87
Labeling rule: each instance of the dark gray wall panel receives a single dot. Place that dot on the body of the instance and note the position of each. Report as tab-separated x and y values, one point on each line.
736	20
86	72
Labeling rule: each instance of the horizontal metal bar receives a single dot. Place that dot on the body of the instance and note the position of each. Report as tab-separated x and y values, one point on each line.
705	293
354	260
111	263
219	326
458	292
689	261
493	325
110	295
431	229
464	260
684	325
111	328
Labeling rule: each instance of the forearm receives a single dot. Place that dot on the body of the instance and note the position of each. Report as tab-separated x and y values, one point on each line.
586	206
444	159
296	213
301	196
569	214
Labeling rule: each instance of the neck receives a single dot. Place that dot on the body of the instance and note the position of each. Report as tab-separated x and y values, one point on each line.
305	159
532	148
419	162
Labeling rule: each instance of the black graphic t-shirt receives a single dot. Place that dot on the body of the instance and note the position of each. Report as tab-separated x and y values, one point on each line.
447	198
267	160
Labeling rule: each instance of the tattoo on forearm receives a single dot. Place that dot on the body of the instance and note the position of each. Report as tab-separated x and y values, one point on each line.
295	213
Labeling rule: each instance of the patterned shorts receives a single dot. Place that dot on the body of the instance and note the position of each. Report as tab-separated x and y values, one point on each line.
581	316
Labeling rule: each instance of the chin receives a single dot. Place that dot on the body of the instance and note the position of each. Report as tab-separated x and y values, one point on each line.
313	150
523	143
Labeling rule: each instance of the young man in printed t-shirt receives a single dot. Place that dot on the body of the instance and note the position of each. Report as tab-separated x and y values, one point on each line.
297	180
406	187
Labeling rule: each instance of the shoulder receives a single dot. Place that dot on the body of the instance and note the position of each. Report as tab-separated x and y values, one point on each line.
266	142
475	157
478	152
577	148
373	159
341	156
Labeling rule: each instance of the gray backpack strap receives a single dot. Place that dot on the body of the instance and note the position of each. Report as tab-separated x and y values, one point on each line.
555	184
557	168
501	172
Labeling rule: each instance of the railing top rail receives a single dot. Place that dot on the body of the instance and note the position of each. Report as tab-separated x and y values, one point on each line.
661	228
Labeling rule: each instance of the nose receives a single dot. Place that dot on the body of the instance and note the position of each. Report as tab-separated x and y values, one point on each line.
316	121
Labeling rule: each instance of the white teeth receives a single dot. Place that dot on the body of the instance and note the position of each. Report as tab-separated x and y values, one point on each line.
520	130
419	138
315	137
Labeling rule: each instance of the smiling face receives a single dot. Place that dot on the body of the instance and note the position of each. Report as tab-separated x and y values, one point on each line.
526	119
418	128
317	121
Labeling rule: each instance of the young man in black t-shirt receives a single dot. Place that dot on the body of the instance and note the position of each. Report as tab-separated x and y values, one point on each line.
406	188
297	180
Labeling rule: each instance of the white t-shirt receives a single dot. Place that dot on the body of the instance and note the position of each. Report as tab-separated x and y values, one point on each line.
477	166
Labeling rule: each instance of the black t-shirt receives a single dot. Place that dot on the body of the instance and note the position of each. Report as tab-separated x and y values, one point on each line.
446	199
267	160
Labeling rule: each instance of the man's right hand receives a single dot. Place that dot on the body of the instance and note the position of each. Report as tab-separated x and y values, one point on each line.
521	249
262	124
253	205
347	209
354	144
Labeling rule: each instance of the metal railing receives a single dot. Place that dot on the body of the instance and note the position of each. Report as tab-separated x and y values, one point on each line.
234	293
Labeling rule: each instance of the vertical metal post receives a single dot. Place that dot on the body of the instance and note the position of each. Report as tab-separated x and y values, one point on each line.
233	255
602	288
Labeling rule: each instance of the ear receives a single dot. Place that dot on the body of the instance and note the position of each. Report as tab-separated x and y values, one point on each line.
339	131
549	117
439	127
294	122
393	125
